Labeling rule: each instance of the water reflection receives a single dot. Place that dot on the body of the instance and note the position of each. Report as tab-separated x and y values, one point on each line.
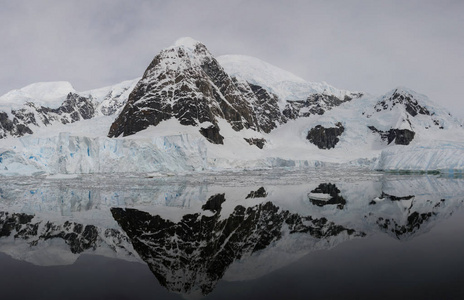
192	235
193	254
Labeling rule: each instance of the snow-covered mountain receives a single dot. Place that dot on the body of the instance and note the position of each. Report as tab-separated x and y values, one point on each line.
39	105
190	111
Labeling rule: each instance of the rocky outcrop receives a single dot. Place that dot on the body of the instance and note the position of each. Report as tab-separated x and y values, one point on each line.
325	138
400	97
12	127
256	141
266	109
399	136
411	105
315	104
74	108
211	133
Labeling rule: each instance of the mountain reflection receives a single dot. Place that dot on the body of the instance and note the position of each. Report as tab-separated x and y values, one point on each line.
192	236
194	253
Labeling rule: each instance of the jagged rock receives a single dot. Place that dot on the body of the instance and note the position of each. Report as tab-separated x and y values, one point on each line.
325	138
211	133
12	128
74	108
400	97
257	142
186	84
399	136
260	193
266	109
315	104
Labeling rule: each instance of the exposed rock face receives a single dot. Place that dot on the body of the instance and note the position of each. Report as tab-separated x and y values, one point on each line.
266	109
410	105
73	109
315	104
400	97
399	136
325	138
12	128
189	85
257	142
193	254
211	133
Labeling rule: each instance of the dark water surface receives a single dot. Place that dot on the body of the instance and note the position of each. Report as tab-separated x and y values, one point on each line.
239	236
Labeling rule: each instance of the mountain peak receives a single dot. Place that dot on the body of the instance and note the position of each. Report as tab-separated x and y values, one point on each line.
187	42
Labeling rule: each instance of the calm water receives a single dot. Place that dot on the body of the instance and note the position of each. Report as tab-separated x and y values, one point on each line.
254	235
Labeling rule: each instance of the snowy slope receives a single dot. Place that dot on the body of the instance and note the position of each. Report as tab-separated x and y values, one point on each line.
285	85
111	98
50	94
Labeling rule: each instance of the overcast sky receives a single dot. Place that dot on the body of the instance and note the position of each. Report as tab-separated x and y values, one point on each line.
371	46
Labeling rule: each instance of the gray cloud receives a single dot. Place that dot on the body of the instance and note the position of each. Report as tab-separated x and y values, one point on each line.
370	46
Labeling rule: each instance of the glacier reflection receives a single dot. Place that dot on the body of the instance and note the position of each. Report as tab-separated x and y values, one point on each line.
192	232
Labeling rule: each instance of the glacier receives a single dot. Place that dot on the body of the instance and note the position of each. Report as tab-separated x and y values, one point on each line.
67	154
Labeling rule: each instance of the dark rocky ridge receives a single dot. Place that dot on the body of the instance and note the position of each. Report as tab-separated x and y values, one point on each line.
258	142
74	108
400	98
399	136
211	133
405	100
191	86
315	104
325	138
